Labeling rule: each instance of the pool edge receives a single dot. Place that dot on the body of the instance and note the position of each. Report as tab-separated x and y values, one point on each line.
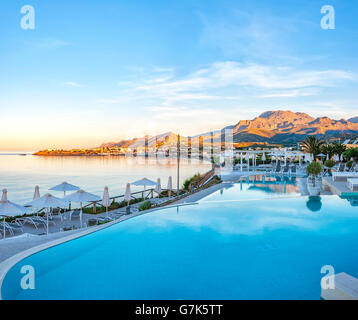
7	264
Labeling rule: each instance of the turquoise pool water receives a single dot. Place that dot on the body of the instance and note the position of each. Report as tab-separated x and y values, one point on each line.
268	249
257	187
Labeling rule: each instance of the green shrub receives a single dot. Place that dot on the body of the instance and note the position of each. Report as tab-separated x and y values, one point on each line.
145	206
349	164
113	206
314	168
187	182
351	153
329	163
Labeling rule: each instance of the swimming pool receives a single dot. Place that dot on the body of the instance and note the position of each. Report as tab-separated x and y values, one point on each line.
267	249
257	187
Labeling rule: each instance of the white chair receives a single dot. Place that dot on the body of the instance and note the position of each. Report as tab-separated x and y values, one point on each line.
73	214
11	227
344	175
35	221
351	183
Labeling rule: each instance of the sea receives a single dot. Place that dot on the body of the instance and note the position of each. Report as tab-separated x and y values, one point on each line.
20	172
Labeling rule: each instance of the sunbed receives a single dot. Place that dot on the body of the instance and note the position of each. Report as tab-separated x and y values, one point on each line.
57	213
35	221
293	170
11	227
116	215
286	169
104	219
344	175
353	167
351	183
73	214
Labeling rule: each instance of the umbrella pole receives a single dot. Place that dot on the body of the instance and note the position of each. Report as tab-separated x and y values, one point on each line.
81	216
47	221
4	228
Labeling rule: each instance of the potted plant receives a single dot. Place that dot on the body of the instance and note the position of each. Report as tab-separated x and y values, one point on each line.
313	184
329	164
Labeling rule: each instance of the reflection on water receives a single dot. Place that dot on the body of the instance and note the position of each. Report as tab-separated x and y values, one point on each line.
314	203
255	217
20	174
257	187
353	200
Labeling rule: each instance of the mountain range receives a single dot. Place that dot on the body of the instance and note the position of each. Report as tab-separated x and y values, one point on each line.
353	120
275	127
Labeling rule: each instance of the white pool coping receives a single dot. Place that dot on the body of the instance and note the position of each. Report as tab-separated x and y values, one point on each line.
6	265
346	288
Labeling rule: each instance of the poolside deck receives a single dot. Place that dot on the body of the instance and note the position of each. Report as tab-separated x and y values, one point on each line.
346	288
32	237
339	187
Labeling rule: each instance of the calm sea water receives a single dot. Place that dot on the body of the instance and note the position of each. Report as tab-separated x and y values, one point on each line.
19	174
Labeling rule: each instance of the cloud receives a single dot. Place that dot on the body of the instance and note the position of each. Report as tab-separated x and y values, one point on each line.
48	43
222	92
305	92
73	84
181	112
215	81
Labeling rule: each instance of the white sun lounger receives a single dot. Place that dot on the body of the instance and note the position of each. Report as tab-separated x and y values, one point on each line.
74	214
351	183
344	175
11	227
35	221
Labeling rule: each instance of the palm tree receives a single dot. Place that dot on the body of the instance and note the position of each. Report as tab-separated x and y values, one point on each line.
328	149
312	145
339	148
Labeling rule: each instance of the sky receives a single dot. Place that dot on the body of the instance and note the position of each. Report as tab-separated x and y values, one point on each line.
100	71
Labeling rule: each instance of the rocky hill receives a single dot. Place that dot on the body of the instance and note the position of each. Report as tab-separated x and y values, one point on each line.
270	127
282	126
353	120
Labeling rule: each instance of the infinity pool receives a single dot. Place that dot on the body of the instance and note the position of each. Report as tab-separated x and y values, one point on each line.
267	249
257	187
